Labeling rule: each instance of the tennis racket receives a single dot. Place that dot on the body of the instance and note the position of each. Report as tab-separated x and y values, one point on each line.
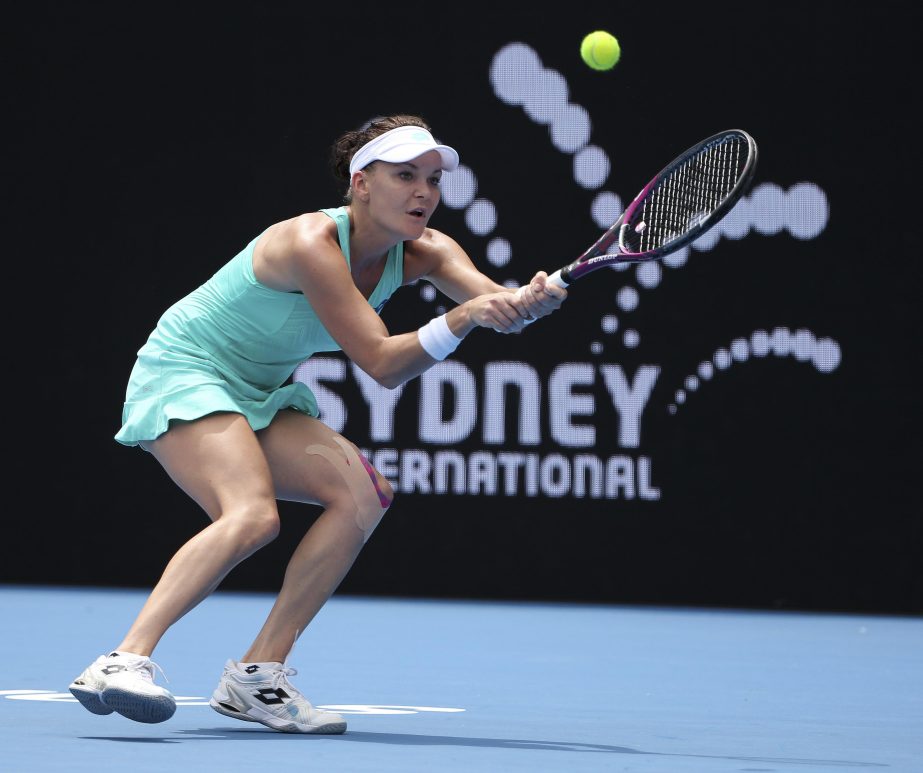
684	200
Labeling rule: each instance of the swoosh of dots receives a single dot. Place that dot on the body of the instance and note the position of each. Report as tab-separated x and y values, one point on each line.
459	191
519	78
823	353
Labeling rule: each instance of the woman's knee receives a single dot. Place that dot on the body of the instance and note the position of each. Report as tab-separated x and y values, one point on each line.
363	491
252	527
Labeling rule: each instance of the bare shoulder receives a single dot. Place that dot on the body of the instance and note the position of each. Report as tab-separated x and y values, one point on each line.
427	254
432	242
289	242
312	229
443	262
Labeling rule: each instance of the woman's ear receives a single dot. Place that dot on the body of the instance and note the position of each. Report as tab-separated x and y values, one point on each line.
360	185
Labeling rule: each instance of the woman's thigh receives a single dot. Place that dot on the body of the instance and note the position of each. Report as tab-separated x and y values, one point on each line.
217	460
309	462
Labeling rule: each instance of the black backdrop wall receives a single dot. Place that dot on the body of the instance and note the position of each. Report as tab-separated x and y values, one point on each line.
738	427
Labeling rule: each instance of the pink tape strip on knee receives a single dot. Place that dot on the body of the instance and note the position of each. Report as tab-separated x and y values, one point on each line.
382	497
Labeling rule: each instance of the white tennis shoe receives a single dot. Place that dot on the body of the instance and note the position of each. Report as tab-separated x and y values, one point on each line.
262	693
124	683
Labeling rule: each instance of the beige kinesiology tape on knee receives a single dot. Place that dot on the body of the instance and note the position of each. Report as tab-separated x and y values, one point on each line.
361	480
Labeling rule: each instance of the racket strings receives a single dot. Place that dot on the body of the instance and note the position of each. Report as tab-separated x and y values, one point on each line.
688	195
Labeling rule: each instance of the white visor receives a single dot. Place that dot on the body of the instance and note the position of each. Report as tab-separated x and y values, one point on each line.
399	145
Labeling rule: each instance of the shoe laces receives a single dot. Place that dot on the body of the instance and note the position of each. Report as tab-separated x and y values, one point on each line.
280	679
145	668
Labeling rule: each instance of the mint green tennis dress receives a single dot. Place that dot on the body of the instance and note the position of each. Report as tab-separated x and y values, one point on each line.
231	345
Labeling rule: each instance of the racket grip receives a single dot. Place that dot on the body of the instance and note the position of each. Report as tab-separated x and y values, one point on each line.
555	279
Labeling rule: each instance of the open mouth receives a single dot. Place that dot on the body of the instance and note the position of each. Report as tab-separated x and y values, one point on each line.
417	213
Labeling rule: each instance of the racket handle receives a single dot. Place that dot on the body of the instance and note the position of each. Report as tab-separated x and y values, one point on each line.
555	279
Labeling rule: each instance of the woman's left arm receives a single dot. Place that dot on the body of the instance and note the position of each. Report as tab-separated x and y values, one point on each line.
441	260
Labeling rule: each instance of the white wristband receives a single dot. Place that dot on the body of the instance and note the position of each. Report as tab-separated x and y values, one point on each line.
436	338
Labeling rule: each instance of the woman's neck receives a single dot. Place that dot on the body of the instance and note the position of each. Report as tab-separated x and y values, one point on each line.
368	244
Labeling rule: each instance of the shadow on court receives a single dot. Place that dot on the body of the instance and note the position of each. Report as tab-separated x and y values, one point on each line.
407	739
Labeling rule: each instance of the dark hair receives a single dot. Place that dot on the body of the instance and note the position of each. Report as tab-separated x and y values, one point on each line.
345	147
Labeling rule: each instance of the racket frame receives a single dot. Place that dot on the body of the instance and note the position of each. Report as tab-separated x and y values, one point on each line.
598	256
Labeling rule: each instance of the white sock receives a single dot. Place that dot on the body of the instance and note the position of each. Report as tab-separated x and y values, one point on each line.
272	665
124	654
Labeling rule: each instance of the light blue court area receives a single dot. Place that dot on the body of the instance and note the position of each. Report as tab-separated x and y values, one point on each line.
459	686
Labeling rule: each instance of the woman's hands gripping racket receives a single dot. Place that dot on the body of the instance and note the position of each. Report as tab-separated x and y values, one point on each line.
686	198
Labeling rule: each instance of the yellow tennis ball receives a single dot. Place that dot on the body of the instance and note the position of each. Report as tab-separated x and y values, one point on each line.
600	50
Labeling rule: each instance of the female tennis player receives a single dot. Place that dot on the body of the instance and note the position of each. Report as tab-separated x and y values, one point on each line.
208	397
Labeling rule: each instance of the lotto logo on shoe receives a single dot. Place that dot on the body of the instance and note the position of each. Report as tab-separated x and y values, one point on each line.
272	697
252	669
114	669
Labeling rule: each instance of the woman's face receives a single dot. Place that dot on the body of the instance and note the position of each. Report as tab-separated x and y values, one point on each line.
402	197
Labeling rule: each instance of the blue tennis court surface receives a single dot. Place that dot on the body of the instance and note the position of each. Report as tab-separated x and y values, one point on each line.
468	686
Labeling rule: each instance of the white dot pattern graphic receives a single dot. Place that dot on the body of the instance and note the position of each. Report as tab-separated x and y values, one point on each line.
481	217
627	298
499	251
591	167
458	188
801	345
605	209
648	274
